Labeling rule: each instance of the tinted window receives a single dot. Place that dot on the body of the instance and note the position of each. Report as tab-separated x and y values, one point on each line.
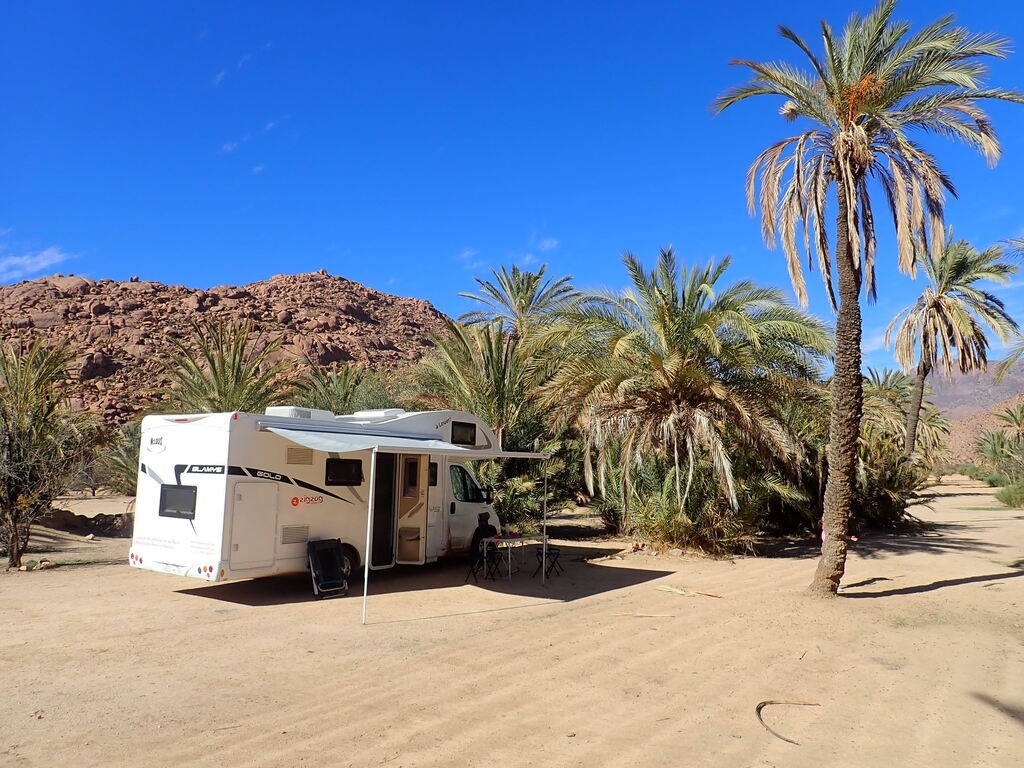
463	433
463	486
432	472
344	472
178	501
411	483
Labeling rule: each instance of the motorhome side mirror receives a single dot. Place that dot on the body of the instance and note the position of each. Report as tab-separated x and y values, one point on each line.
488	495
451	509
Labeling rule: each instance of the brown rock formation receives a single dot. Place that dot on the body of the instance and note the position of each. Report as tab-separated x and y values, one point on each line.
119	331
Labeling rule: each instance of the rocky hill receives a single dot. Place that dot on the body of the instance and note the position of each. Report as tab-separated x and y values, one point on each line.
971	403
120	330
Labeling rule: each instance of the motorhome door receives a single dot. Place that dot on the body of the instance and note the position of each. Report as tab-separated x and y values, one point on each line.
412	509
384	487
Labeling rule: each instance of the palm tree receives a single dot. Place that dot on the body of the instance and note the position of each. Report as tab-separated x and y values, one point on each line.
225	367
683	368
1016	246
485	370
949	317
332	389
43	445
1013	418
119	464
519	300
873	86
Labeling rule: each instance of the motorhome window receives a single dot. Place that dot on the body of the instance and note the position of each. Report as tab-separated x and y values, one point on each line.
464	487
178	501
432	474
344	472
463	433
411	483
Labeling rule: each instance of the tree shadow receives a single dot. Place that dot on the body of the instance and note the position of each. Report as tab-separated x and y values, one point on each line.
584	576
1014	713
933	538
919	588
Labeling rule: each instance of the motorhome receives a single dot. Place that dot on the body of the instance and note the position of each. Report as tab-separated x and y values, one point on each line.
236	495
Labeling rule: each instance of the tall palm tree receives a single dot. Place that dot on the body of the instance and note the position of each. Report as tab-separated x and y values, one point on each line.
225	367
685	368
519	300
949	318
872	87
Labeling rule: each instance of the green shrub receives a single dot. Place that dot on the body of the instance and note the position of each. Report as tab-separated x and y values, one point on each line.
1012	495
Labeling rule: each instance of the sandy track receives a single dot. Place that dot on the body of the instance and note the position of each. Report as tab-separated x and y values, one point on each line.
921	664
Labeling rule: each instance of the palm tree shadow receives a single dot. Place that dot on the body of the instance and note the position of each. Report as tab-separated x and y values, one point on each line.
933	538
919	588
1014	713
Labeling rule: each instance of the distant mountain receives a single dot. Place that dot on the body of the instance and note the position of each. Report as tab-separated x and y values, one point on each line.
120	330
973	393
971	401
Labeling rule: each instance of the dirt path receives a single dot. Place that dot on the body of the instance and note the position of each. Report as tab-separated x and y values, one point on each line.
921	664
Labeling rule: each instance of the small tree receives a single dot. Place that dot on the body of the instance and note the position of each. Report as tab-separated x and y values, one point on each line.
43	445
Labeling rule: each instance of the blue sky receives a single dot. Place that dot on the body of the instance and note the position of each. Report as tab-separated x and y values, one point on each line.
412	146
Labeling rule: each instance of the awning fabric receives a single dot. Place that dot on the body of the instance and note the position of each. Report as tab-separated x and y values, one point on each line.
336	442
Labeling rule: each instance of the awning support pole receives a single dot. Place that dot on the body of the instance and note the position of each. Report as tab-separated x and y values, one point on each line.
369	529
544	506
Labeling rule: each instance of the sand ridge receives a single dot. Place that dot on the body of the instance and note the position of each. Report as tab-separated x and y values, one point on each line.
921	663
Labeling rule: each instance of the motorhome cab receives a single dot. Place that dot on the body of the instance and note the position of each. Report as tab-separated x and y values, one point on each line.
236	495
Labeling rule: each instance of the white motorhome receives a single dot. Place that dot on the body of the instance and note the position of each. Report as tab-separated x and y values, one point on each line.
236	495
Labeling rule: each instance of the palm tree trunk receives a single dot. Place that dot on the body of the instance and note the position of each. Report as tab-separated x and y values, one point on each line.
914	413
844	425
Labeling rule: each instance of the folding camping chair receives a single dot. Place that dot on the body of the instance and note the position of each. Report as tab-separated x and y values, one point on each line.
326	568
552	565
487	553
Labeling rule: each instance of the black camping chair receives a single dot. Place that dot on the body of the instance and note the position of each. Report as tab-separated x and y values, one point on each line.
485	553
326	568
553	566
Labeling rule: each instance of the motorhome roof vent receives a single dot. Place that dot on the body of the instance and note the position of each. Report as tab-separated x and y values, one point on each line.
379	414
294	412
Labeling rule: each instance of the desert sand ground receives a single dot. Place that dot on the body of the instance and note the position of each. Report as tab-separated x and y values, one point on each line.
921	663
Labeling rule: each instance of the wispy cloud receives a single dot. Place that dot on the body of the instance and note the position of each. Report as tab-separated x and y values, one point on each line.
219	78
468	258
230	146
15	267
257	170
271	125
873	342
527	260
244	61
547	244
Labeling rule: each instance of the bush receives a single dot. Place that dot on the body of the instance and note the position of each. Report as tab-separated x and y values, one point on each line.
1012	495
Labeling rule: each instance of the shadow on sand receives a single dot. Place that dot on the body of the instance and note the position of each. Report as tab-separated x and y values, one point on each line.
585	575
918	588
936	538
1014	713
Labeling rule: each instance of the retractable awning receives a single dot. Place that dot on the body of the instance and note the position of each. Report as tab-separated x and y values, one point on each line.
337	442
345	442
